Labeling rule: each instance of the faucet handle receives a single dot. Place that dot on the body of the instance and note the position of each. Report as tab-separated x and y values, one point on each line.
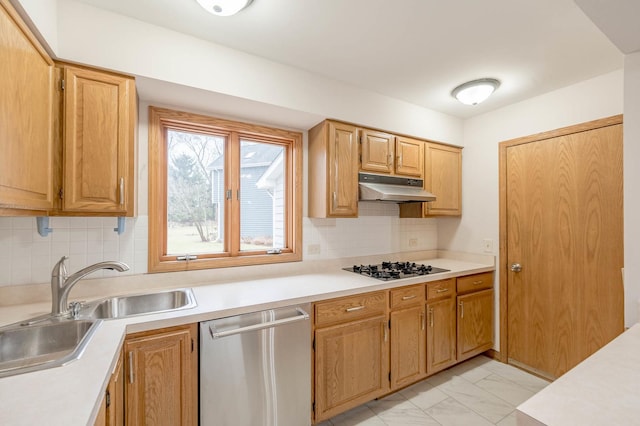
60	269
74	309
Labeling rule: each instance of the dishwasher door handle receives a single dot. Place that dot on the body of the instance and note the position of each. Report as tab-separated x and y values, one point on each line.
302	316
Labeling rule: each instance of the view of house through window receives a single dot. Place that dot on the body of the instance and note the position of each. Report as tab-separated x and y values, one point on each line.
196	193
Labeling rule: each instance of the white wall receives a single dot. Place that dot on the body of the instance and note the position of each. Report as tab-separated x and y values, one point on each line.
632	187
589	100
44	16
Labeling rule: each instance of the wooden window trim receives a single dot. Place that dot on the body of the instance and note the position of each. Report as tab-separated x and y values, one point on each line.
161	119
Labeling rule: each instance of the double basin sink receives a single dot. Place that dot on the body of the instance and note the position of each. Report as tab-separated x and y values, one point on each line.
51	341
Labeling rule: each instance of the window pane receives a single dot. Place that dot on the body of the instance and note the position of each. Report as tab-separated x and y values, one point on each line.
195	203
262	196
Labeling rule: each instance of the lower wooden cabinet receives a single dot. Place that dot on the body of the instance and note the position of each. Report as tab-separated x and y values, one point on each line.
161	377
475	323
408	346
112	406
441	334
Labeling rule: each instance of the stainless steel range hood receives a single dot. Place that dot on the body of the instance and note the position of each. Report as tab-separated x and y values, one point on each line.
393	189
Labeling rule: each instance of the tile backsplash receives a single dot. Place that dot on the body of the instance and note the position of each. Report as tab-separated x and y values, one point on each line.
27	258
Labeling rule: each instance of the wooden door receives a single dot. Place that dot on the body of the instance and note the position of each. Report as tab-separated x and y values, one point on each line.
343	171
409	157
351	365
441	334
378	151
162	378
561	222
408	346
98	142
475	323
27	90
443	178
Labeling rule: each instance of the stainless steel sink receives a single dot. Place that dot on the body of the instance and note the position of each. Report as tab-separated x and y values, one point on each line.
139	304
49	343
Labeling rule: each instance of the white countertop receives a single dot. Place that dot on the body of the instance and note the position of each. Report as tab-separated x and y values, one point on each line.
70	395
601	390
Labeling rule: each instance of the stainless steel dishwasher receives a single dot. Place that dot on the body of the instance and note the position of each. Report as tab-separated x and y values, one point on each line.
255	369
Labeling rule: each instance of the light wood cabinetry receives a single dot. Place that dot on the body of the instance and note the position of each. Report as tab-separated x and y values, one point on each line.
112	406
333	170
475	315
351	352
408	336
27	110
443	178
396	155
98	154
162	377
441	325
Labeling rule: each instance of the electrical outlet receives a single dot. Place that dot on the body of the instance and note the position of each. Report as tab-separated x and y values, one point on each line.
313	249
487	245
413	242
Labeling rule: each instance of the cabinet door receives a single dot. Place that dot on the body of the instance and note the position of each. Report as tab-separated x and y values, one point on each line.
351	365
443	178
99	118
26	117
162	378
441	334
475	323
408	347
409	157
115	396
343	171
378	151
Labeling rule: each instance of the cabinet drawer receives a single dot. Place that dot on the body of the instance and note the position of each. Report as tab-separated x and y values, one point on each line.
406	296
350	308
442	288
475	282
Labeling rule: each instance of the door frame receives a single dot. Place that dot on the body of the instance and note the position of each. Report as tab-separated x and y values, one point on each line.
502	179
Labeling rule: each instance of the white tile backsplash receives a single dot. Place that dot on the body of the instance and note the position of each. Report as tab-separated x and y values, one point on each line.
27	258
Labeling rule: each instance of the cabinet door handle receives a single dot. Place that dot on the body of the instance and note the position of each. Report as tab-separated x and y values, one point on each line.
121	192
442	290
355	308
385	330
431	317
461	309
389	159
400	160
413	296
335	199
131	377
477	282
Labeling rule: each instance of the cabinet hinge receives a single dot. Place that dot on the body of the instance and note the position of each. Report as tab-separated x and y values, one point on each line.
313	344
313	407
389	376
108	399
60	193
62	84
389	323
192	345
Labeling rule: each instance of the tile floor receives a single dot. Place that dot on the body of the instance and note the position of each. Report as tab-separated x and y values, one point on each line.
478	392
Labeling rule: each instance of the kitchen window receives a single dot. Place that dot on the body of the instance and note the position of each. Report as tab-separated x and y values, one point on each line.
222	193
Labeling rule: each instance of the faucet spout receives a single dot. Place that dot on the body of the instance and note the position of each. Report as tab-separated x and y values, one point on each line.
61	284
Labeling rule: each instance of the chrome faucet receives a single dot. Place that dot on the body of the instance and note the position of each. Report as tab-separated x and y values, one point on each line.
61	283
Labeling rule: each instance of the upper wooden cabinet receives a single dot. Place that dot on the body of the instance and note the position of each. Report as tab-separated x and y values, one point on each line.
98	153
333	170
26	118
443	178
385	153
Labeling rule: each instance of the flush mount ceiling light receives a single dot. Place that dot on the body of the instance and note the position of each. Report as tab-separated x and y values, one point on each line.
224	7
476	91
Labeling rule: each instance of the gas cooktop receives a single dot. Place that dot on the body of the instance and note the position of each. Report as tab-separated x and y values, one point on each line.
387	271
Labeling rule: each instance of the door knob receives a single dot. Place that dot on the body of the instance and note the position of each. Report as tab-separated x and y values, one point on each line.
516	267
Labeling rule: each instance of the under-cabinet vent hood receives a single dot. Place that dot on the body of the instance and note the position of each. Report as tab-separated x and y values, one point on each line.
392	188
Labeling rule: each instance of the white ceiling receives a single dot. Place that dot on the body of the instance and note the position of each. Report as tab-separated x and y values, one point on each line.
413	50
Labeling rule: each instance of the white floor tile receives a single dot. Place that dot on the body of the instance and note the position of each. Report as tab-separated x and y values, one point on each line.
510	420
359	416
424	395
505	389
452	413
520	377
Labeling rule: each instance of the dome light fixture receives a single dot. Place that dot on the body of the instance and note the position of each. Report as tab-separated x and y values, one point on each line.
476	91
224	7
